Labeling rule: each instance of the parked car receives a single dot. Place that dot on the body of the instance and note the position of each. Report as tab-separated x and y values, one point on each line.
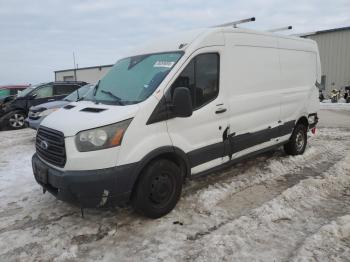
14	112
10	91
38	113
182	106
347	94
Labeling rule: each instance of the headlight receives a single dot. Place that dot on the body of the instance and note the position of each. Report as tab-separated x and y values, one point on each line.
47	112
102	137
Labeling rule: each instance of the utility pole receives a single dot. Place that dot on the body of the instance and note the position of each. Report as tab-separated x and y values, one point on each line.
75	68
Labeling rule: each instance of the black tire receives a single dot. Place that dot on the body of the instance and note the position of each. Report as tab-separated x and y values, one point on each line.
158	189
298	141
15	120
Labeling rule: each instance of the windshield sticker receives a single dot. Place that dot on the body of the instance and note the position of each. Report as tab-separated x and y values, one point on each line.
166	64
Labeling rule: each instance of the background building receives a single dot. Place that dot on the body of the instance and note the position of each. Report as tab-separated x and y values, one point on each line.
334	46
88	74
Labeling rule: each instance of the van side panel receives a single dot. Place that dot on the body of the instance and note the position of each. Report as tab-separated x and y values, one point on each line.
298	77
254	84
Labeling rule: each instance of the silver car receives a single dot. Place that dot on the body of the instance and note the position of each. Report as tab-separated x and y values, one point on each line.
38	113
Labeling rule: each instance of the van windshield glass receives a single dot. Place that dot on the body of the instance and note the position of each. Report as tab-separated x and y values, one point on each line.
131	80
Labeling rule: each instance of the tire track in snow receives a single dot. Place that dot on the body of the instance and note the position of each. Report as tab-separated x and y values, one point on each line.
242	202
274	230
330	243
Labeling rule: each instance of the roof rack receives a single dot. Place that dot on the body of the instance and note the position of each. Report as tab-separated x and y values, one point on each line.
280	29
235	23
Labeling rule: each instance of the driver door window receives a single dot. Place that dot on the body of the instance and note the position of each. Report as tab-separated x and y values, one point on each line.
43	92
201	76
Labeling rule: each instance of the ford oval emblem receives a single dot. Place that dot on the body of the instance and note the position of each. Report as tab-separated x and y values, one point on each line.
44	145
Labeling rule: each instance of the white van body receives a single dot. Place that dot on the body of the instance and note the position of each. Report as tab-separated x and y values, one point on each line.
266	85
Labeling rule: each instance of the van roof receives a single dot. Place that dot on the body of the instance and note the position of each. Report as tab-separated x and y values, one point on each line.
182	40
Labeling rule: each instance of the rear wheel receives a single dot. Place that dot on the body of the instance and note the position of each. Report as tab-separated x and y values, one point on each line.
158	189
15	119
297	142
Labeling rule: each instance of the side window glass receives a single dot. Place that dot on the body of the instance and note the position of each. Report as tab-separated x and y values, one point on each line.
207	78
64	89
201	76
45	91
186	79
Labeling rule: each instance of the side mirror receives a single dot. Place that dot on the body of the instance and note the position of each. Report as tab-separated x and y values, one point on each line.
32	96
182	102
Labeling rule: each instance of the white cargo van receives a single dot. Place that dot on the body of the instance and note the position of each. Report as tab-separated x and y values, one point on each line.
183	106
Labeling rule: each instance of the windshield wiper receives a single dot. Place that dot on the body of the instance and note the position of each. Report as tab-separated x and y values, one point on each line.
96	87
79	99
117	98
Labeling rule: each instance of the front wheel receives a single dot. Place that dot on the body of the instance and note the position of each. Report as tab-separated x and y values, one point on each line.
297	142
15	119
158	189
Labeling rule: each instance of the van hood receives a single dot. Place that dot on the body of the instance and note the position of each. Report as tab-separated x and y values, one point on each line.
83	115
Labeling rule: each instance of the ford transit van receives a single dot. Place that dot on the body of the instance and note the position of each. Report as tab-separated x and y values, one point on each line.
182	106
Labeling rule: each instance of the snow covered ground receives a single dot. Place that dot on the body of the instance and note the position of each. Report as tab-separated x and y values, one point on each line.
270	208
337	106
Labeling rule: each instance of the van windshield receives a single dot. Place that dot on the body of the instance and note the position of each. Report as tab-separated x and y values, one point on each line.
131	80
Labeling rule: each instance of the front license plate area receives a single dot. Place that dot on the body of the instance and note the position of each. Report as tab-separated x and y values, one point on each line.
41	173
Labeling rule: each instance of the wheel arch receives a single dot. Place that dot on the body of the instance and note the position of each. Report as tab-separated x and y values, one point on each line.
171	153
303	120
17	109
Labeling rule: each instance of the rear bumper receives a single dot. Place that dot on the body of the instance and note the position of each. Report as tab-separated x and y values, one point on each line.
313	120
88	188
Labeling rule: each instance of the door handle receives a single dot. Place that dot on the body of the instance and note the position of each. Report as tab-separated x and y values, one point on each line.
220	111
51	99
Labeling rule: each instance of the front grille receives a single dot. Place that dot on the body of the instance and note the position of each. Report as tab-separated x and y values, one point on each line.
50	146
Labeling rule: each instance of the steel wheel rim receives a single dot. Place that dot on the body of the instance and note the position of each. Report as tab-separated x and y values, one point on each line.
161	189
16	120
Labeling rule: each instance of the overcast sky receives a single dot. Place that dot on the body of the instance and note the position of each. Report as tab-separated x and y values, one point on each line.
38	37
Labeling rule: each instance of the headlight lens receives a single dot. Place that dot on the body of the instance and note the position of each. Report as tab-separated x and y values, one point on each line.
47	112
102	137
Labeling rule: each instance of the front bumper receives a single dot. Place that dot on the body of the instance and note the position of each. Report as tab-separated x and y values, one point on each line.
88	188
33	124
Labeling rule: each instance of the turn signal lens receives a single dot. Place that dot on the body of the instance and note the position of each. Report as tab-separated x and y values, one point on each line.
117	139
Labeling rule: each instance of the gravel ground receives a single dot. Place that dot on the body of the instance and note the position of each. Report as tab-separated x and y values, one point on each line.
270	208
